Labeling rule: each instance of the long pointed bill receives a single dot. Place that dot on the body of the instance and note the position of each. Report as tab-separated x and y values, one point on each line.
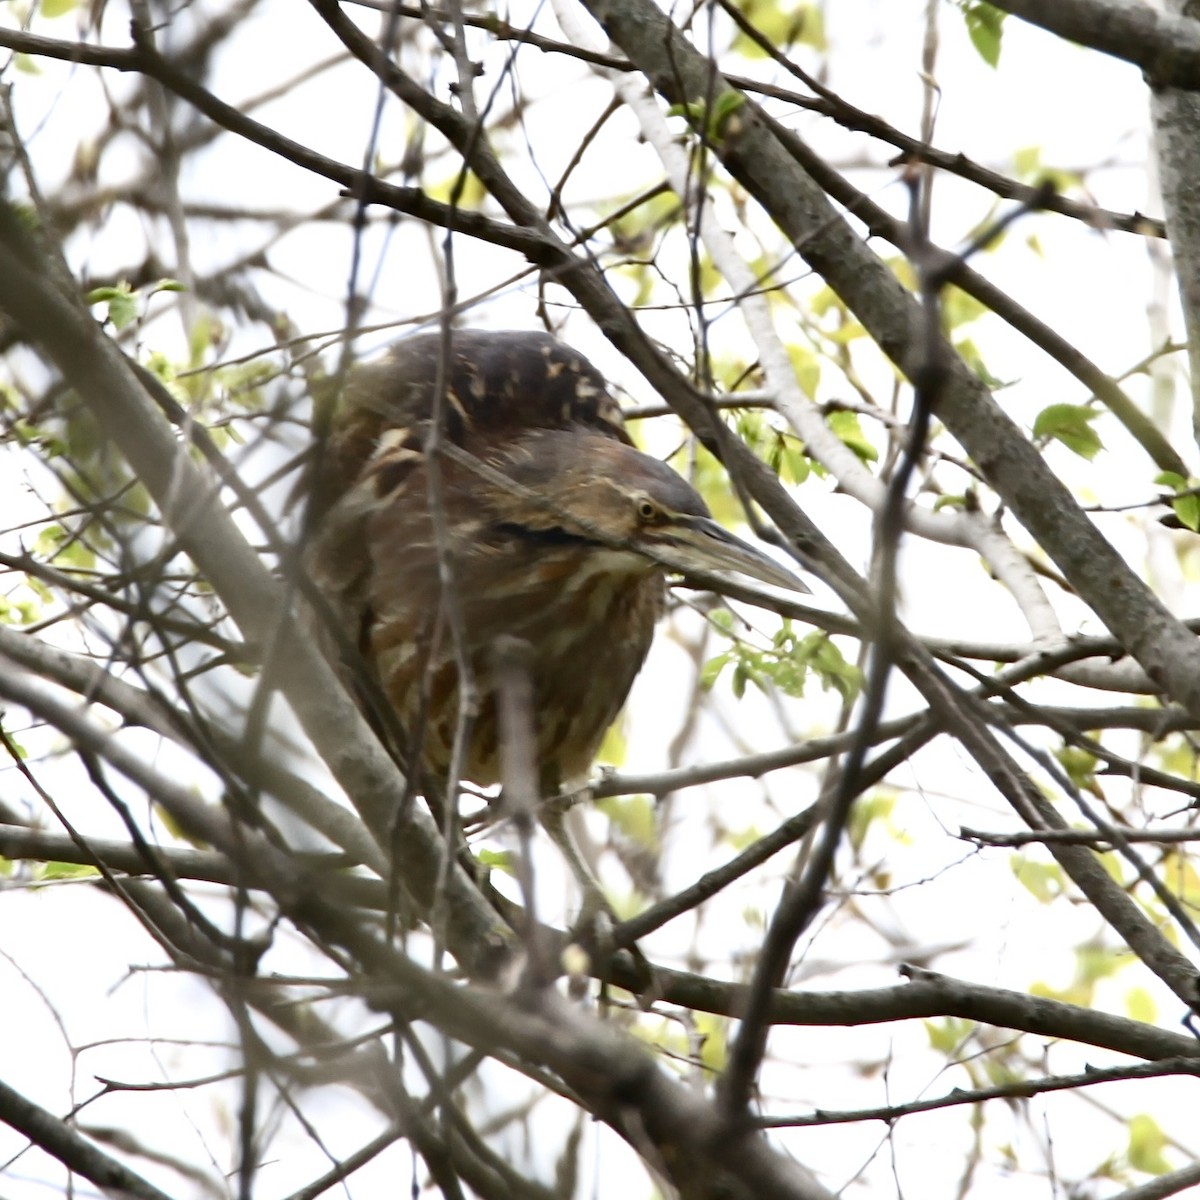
700	544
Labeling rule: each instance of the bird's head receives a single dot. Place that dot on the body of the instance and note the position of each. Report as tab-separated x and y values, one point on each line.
578	485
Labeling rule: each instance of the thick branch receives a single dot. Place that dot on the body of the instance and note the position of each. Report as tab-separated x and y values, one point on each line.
1167	48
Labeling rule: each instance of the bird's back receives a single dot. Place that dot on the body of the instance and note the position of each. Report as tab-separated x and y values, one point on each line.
495	386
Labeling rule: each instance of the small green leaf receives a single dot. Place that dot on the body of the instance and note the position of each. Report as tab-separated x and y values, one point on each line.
948	1034
613	745
739	839
985	27
121	301
781	24
469	189
846	425
500	860
866	811
794	465
14	747
1140	1006
634	816
712	119
1187	508
1079	765
808	369
1071	425
711	671
726	104
713	1043
959	307
61	870
1027	162
1043	880
969	352
949	501
1146	1142
18	612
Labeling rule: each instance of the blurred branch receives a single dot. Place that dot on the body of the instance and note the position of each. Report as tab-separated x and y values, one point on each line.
190	504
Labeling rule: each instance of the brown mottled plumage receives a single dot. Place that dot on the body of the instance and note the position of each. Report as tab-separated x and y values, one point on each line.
560	534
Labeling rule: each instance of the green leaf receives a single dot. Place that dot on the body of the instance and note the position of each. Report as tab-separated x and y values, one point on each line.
61	870
878	806
1080	767
1146	1142
1172	480
847	427
725	105
711	671
1095	961
634	816
614	744
1140	1006
713	1041
948	1034
1027	162
713	118
470	189
782	24
18	612
807	367
794	465
985	28
959	307
1187	508
500	860
711	480
15	747
950	501
1029	168
969	352
49	541
787	665
1043	880
1071	425
50	9
121	301
739	839
824	658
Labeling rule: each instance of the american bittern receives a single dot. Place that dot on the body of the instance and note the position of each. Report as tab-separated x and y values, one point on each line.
555	531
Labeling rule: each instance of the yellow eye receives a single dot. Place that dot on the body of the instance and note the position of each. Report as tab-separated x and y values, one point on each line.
647	509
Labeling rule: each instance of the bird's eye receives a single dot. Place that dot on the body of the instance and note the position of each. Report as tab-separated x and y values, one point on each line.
647	509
